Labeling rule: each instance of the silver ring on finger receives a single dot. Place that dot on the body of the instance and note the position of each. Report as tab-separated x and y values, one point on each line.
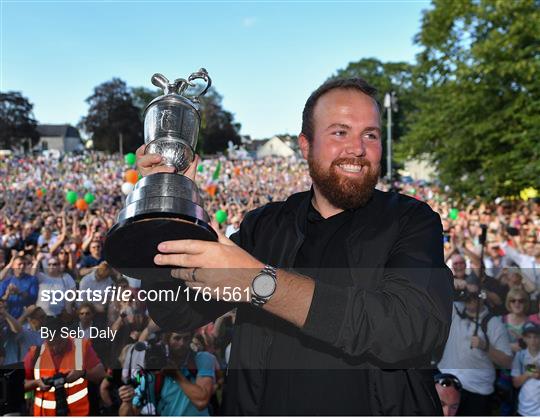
193	278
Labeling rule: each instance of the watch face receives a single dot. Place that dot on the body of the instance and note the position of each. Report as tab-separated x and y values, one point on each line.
264	285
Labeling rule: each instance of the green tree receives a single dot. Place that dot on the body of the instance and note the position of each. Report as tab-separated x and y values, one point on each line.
111	115
387	77
478	95
142	96
217	125
17	123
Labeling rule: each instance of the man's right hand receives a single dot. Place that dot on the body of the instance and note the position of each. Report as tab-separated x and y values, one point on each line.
151	164
126	393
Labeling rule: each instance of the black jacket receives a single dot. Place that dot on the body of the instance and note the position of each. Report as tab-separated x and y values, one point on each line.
393	320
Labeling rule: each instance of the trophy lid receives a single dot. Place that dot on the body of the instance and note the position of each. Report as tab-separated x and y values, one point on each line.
174	93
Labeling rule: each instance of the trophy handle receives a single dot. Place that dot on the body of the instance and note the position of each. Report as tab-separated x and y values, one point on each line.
203	75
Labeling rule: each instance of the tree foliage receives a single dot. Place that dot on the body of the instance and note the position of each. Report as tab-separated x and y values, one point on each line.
112	113
386	77
17	123
142	96
477	95
217	124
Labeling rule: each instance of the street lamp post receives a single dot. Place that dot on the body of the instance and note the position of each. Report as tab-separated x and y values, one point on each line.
390	103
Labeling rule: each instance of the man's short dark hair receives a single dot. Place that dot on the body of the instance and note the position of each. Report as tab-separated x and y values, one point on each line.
337	83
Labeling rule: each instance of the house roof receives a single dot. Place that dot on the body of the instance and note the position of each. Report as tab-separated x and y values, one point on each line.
62	131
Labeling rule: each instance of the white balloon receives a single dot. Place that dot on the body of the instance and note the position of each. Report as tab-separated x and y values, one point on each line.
127	188
88	184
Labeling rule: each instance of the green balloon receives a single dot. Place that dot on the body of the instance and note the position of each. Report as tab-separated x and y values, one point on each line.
89	198
71	197
43	190
200	168
130	158
454	213
221	216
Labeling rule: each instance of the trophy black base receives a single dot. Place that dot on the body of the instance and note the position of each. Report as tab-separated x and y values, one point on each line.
131	245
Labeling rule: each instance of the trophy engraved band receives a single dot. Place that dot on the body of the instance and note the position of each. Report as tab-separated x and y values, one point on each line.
163	206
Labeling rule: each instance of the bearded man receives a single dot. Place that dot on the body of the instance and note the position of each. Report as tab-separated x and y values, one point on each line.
344	281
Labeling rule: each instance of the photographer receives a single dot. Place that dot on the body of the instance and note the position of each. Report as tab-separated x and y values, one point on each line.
182	387
478	342
65	364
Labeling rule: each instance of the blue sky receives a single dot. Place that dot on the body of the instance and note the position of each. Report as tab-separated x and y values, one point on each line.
265	58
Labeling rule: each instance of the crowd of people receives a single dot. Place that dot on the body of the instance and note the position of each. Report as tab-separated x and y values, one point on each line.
491	359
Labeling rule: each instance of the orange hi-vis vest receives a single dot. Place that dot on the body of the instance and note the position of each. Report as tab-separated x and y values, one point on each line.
77	392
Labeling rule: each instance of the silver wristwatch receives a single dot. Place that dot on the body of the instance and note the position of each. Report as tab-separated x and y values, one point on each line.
263	286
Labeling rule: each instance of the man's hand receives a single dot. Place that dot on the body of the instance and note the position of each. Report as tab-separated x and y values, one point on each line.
12	289
477	342
126	393
42	386
217	264
152	163
74	375
460	284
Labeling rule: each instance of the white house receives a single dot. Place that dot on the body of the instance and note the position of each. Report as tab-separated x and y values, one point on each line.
274	147
64	138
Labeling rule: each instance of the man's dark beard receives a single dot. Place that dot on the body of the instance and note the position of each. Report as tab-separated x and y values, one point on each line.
341	192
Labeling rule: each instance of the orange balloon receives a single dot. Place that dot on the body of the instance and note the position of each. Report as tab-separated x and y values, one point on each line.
39	193
131	176
81	204
236	171
211	189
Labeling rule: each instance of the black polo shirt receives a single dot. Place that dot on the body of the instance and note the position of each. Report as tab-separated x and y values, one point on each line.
312	378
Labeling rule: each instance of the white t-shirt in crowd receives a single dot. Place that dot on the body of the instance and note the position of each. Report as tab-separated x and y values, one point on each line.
472	366
529	394
48	283
90	282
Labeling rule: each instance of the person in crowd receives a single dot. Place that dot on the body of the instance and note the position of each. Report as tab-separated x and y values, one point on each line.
528	262
183	387
66	260
71	360
18	289
459	270
517	305
31	321
54	281
9	333
526	372
98	280
477	344
449	390
92	260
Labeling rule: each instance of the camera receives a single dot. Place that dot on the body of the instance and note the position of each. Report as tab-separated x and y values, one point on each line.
57	382
156	355
466	295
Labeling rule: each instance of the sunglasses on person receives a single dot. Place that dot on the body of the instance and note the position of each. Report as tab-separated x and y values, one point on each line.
517	300
446	380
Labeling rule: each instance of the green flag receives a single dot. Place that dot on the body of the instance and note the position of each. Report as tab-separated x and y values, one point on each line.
215	176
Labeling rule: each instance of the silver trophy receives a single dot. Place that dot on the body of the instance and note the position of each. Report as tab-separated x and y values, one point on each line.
163	206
